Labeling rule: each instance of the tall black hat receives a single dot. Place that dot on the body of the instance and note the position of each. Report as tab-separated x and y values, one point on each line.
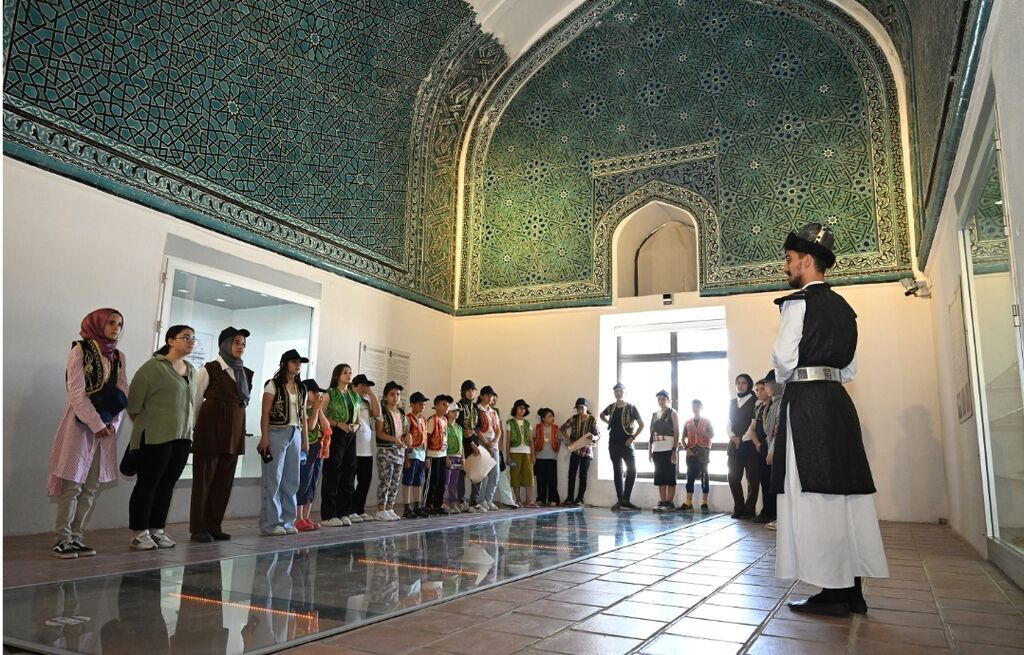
813	239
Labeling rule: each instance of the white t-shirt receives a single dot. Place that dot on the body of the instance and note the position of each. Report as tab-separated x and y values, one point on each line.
293	403
364	435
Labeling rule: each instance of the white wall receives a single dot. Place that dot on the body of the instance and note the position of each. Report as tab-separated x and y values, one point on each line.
998	62
551	357
69	249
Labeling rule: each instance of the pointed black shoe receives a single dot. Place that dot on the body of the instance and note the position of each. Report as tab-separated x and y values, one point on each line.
855	598
825	603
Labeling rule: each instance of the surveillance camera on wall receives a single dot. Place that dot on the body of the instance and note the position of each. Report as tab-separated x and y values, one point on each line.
916	288
666	299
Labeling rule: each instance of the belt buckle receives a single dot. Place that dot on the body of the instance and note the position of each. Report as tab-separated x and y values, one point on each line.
801	374
829	373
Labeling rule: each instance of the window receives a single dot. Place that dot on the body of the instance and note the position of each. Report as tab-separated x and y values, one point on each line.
210	300
689	360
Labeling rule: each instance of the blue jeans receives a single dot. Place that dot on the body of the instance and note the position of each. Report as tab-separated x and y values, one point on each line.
281	479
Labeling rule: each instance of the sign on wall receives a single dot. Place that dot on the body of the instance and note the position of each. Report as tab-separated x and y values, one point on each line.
382	364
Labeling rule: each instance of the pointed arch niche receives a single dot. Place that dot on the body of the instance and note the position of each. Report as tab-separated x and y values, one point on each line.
656	251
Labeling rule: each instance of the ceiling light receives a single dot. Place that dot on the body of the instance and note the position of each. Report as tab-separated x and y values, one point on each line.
220	300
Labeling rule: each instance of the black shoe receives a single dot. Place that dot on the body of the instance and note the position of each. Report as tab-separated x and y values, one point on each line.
220	536
64	550
617	506
422	513
629	507
409	514
82	549
578	503
686	507
704	509
762	518
746	516
669	506
202	537
567	503
858	606
823	608
736	515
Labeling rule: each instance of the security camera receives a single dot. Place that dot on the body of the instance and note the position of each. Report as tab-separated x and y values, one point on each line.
917	288
666	299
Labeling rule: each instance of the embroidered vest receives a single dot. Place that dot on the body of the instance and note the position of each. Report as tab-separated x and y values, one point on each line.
662	423
538	437
389	426
487	421
279	413
518	436
92	365
469	415
626	416
417	430
439	435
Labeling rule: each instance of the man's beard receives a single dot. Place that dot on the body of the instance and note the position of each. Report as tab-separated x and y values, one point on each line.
795	282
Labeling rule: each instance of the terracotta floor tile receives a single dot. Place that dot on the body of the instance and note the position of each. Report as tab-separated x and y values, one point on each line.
383	639
473	642
895	617
576	643
561	575
988	649
990	594
977	606
646	611
902	634
986	635
431	620
633	578
678	644
765	645
807	631
662	598
526	625
718	630
729	614
753	590
542	585
475	606
512	594
902	604
594	598
737	600
872	647
984	619
606	587
558	610
620	626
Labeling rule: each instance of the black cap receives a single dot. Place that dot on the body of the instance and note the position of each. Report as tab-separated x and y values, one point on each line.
293	354
468	384
581	401
392	385
362	379
488	390
520	403
417	397
814	239
311	385
662	394
619	385
445	397
229	333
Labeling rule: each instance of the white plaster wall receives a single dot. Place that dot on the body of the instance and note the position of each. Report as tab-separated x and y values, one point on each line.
68	249
551	357
998	62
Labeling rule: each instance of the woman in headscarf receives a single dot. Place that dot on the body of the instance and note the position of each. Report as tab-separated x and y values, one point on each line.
223	387
84	453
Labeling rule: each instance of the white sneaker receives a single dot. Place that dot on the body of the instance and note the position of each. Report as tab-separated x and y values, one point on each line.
771	525
491	507
290	529
346	521
333	523
354	518
464	507
278	531
143	542
162	540
365	517
477	509
382	515
394	517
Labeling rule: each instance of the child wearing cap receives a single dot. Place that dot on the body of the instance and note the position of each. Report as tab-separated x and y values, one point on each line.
546	445
581	425
520	453
318	437
698	434
453	461
415	458
392	428
469	421
437	454
664	451
482	499
369	411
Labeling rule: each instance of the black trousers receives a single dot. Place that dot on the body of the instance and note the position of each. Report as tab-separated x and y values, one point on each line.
462	482
767	497
546	471
339	477
697	470
744	460
160	466
436	478
621	453
364	475
581	465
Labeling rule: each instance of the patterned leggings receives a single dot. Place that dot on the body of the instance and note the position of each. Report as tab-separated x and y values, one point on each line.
389	475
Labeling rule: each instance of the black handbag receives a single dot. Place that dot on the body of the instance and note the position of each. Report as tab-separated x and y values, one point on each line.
129	466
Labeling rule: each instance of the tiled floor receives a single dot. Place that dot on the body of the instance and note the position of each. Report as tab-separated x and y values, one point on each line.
709	589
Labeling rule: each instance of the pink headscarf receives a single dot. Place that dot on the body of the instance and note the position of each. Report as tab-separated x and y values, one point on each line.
92	328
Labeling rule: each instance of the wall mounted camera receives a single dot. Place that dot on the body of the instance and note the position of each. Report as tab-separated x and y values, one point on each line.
916	288
666	299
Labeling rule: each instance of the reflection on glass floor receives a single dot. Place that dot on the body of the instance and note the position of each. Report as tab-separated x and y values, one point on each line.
262	603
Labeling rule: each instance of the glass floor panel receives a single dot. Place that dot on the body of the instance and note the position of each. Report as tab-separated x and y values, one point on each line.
267	602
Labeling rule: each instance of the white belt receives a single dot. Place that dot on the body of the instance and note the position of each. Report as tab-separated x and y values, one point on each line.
817	374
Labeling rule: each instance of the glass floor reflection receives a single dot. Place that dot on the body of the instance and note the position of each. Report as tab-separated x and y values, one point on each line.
267	602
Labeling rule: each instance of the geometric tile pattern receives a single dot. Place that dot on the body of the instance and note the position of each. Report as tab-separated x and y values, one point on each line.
989	246
796	98
289	124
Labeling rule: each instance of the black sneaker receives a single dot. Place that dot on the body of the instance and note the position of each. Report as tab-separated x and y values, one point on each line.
617	506
629	507
220	536
762	518
686	507
670	506
83	550
64	550
578	503
409	514
422	513
704	509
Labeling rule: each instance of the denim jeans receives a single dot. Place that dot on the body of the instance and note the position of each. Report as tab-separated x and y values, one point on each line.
281	479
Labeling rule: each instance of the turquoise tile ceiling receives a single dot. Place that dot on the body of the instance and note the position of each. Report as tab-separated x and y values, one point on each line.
756	117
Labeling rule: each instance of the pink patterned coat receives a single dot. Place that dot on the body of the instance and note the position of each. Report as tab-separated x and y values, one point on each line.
75	444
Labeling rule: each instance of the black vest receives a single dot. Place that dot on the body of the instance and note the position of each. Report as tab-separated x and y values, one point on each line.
825	429
740	417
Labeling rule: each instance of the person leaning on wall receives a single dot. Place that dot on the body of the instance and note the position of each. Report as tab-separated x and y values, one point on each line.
223	387
84	452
